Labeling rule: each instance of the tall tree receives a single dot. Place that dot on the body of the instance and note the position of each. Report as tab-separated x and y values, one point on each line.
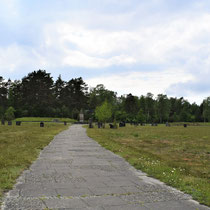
58	89
131	106
103	112
99	94
37	93
75	95
206	109
142	104
15	98
196	113
60	110
163	107
150	107
3	96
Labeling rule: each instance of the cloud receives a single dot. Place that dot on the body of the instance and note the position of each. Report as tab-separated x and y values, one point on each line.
197	88
9	7
160	46
11	58
140	83
14	58
175	42
78	46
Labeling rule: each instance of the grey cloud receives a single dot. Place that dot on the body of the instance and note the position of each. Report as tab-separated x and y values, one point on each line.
200	86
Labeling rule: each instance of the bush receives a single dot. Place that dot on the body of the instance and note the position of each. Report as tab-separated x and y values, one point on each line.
10	114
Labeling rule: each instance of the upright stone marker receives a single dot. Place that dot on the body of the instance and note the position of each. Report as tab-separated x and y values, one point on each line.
9	122
81	117
99	124
90	123
41	124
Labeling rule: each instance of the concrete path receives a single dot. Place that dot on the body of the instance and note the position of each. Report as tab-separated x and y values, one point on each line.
75	172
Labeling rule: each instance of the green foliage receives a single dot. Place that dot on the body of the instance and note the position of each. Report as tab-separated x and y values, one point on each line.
163	107
131	105
38	119
141	117
103	112
10	114
149	107
37	95
99	94
75	113
121	115
206	109
1	112
3	93
74	96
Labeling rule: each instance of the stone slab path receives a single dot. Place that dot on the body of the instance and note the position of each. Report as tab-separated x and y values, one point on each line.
75	172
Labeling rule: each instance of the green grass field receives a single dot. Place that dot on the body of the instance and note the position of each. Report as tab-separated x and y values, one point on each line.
29	119
175	155
19	146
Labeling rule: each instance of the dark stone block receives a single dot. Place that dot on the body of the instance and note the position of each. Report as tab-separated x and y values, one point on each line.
122	124
18	123
111	126
9	122
90	125
41	124
99	124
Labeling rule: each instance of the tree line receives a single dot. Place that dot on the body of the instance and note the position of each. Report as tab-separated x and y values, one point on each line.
37	95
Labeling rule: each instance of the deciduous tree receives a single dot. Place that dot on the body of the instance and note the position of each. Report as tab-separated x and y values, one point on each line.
103	112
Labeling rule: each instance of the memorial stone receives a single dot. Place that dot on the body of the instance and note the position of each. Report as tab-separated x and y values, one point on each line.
90	123
18	123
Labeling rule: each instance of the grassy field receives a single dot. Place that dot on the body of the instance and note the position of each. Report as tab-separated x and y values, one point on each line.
175	155
29	119
19	146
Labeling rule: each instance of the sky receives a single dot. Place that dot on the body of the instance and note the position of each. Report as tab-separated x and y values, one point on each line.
130	46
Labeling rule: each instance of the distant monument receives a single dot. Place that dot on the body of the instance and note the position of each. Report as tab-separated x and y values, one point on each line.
81	116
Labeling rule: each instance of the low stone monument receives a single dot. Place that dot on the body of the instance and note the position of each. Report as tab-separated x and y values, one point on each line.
168	124
122	124
18	123
99	124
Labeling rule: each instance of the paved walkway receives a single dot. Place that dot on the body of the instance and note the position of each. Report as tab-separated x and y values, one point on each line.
75	172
